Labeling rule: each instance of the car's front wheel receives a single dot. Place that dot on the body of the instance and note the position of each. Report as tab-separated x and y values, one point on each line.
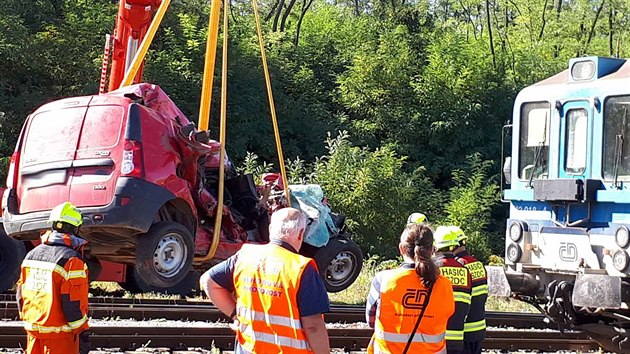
164	254
339	263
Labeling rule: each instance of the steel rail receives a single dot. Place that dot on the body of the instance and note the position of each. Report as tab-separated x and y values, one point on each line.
350	339
144	309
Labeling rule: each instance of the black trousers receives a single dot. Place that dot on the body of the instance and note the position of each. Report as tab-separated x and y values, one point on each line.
471	347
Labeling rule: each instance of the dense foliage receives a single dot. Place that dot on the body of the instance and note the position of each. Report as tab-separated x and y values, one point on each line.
422	89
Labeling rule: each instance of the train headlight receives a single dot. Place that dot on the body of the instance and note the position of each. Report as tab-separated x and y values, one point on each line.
516	231
583	70
620	260
622	237
514	253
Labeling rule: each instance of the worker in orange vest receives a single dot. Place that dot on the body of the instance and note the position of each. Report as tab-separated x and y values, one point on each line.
275	296
445	243
475	325
52	291
409	306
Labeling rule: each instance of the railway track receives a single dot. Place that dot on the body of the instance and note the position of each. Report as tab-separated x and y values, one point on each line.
533	333
146	309
350	339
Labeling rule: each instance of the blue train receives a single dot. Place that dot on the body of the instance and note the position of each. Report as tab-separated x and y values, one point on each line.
568	186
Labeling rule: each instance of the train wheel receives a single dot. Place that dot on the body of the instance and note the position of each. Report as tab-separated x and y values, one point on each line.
607	337
12	253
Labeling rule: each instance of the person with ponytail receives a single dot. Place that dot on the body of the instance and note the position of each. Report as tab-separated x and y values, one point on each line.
409	306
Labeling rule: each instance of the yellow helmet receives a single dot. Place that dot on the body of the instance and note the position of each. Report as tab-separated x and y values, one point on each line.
416	218
66	213
459	234
444	238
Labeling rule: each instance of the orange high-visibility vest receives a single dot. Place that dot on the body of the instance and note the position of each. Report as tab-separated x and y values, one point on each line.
266	281
50	276
402	296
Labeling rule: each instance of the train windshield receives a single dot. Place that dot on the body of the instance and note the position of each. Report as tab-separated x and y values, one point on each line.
575	149
534	141
616	148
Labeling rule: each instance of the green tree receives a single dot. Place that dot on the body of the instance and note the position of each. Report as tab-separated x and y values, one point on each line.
470	204
370	188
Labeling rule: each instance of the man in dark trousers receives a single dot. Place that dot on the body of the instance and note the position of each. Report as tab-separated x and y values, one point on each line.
52	292
445	242
475	326
275	296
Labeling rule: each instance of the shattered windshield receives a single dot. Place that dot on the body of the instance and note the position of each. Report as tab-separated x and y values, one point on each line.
534	141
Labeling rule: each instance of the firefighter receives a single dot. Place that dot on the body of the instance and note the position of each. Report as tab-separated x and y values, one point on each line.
52	291
417	218
445	243
275	296
412	299
475	326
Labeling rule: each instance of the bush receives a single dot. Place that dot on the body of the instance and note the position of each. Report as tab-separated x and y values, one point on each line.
470	205
370	188
4	169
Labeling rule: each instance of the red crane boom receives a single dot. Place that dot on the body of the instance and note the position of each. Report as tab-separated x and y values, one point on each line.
133	20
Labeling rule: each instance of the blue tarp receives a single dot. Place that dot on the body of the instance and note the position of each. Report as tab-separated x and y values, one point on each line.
319	224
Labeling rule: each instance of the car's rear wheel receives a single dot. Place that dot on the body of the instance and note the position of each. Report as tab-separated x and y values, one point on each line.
12	253
164	255
339	263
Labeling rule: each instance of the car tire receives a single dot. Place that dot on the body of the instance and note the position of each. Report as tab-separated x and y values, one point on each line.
186	287
12	253
339	263
164	255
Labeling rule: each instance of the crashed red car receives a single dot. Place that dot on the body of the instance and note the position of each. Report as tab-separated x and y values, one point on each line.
144	178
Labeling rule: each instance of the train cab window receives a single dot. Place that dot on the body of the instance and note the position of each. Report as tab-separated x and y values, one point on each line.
575	141
533	154
616	151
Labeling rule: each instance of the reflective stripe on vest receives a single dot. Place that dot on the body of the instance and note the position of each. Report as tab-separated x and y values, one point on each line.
454	335
475	326
461	297
270	319
379	350
56	329
273	338
479	290
53	267
403	338
49	266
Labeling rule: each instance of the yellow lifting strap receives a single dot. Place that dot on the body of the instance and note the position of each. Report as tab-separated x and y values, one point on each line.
272	107
208	68
213	30
144	46
222	129
206	97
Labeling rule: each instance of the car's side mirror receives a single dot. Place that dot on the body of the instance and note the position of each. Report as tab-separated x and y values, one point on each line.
507	169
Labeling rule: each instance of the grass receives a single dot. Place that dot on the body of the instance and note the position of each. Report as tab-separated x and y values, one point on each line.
102	288
356	294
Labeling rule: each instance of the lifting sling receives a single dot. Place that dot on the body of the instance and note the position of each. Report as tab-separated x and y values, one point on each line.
206	97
